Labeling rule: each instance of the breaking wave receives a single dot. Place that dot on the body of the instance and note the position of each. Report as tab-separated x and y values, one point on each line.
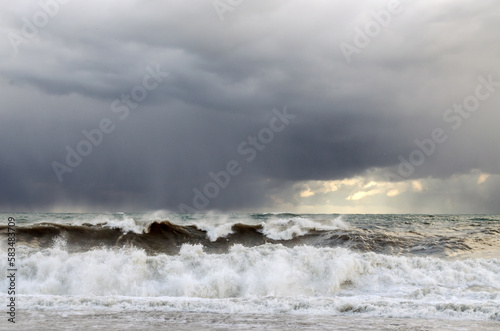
166	237
267	278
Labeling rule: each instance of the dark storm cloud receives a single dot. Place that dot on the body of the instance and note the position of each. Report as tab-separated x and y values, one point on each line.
224	80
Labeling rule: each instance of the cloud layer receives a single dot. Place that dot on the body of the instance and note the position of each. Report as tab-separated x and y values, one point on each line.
354	118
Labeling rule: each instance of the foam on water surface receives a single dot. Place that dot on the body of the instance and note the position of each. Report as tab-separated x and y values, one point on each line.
380	266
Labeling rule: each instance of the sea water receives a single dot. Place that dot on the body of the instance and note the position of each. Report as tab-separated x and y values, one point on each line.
255	271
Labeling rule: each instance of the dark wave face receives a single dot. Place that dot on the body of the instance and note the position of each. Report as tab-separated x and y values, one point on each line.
390	234
159	237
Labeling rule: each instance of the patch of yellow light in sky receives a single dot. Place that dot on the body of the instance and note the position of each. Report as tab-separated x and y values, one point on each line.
306	193
350	181
482	178
330	187
362	194
314	187
392	193
416	185
370	184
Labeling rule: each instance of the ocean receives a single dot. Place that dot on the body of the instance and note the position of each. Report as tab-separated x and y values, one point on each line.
274	271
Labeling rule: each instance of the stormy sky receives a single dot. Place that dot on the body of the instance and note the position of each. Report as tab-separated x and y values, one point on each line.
299	106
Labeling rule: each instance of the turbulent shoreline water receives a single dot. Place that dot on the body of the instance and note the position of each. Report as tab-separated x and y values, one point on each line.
391	266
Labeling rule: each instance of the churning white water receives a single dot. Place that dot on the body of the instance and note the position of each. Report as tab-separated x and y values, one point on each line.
343	270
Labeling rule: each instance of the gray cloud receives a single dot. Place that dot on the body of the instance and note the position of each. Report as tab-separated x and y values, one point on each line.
224	80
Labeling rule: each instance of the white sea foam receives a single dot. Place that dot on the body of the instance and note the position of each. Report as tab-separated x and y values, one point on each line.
217	231
287	228
274	228
215	225
263	279
125	222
